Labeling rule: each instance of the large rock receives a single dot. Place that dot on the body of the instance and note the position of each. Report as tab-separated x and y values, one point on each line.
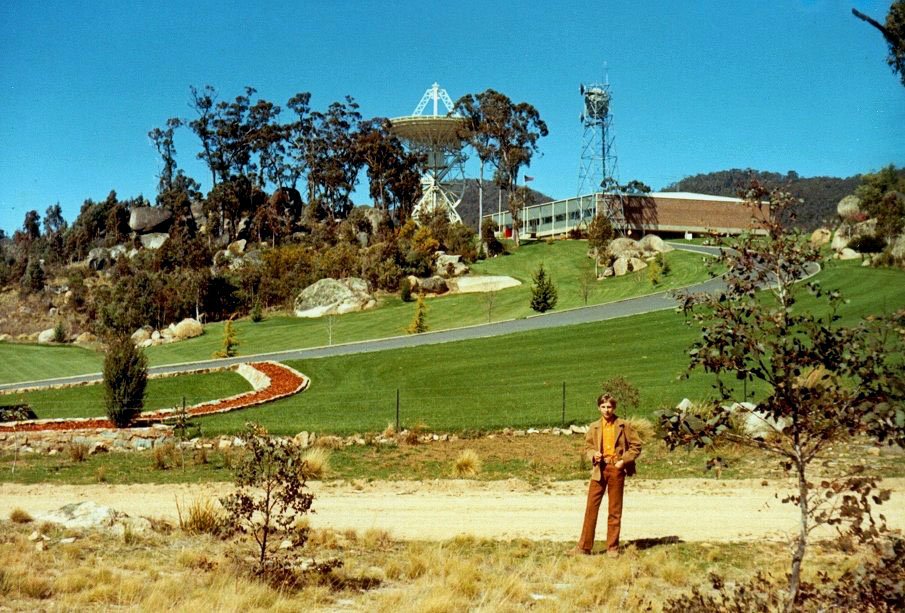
865	228
46	336
198	215
488	283
756	423
89	514
620	266
236	248
333	297
140	336
898	247
625	247
849	254
449	265
99	259
848	207
85	338
841	238
188	328
654	244
144	219
820	237
636	264
154	241
433	285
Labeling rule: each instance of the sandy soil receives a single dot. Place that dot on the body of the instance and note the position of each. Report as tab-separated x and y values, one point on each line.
690	509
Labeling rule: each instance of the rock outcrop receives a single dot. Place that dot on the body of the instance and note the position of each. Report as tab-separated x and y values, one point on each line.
145	219
333	297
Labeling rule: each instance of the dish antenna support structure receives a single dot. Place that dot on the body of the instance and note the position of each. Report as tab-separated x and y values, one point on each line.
597	169
439	139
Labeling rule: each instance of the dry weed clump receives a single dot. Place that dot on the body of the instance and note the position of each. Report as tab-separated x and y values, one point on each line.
643	427
316	463
78	452
20	516
468	464
202	516
164	456
328	442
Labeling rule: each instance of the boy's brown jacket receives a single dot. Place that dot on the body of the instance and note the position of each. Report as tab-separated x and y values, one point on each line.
628	446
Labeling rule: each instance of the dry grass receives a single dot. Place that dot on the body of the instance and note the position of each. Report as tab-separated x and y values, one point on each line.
196	572
644	428
77	452
467	464
202	516
316	463
20	516
164	456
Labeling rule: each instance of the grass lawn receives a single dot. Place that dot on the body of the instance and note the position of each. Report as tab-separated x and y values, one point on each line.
517	380
88	400
563	260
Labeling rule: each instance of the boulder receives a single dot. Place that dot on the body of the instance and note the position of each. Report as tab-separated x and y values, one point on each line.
620	266
141	335
820	237
897	247
655	244
433	285
144	219
333	297
488	283
625	247
237	248
89	514
99	259
85	338
608	272
118	251
46	336
848	207
865	228
188	328
840	239
636	264
154	241
198	215
755	423
449	265
849	254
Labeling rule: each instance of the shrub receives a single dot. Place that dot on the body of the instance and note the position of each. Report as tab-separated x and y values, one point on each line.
20	516
419	323
163	455
229	341
59	333
543	293
125	379
654	271
492	245
468	464
625	393
271	498
257	315
405	289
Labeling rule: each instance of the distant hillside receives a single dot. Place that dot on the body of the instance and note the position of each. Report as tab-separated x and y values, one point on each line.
468	209
820	194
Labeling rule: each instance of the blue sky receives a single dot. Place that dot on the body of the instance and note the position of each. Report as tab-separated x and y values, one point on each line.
697	86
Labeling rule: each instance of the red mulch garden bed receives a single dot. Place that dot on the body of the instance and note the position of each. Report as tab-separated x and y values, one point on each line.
284	381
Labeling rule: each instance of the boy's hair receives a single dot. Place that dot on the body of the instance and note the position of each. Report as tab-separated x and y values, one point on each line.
606	398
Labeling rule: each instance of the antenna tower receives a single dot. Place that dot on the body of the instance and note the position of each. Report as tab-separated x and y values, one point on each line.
597	169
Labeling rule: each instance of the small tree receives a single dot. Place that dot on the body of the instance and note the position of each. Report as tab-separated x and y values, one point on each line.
623	391
270	499
600	233
586	279
125	379
492	245
419	323
230	342
543	293
824	382
489	299
59	333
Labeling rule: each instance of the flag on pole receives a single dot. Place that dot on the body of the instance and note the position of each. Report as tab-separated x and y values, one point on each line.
527	178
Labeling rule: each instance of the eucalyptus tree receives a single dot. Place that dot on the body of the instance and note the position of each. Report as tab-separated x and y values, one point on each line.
893	31
393	173
508	134
331	159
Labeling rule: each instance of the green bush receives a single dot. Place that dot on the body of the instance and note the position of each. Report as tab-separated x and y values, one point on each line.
125	379
543	293
405	289
867	244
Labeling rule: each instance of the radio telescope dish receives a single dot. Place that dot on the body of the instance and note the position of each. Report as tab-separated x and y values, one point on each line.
438	138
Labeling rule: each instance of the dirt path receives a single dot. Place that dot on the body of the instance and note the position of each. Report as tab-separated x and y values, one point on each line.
690	509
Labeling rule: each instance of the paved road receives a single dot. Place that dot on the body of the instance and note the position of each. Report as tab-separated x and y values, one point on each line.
613	310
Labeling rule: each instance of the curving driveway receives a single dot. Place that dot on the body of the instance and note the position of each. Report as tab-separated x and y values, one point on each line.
612	310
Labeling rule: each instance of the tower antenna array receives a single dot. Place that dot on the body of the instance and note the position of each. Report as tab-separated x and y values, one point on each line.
439	139
597	168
